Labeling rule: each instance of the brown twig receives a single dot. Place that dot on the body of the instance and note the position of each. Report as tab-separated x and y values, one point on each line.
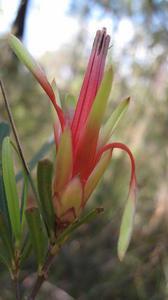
13	126
42	277
52	251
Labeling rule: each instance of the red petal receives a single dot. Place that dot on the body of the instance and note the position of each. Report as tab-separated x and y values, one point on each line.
91	82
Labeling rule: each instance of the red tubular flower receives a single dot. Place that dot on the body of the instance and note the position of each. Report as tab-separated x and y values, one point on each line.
91	83
83	152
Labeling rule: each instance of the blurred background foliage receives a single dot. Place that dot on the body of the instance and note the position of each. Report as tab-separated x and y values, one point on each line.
88	268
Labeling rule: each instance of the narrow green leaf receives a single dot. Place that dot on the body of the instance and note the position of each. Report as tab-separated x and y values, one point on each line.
36	234
112	122
11	189
44	183
6	236
126	226
4	131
